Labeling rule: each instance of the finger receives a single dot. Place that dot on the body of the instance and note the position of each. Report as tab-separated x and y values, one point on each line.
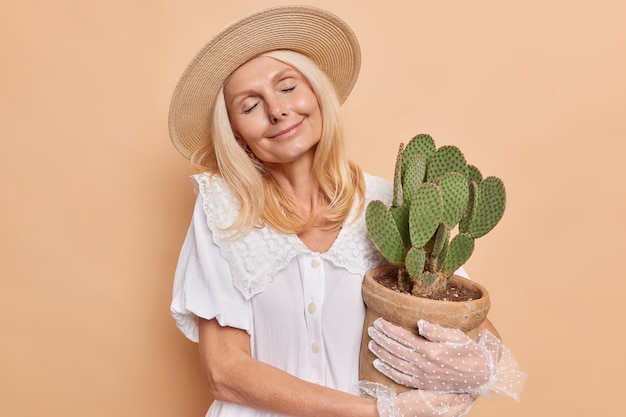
391	344
402	365
388	336
440	334
397	333
420	373
397	376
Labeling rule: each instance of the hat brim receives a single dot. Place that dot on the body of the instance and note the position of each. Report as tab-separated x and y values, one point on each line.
316	33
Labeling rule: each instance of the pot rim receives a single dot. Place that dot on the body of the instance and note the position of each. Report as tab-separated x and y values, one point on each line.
370	282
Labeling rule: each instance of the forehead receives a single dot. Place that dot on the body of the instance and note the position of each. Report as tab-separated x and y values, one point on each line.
257	70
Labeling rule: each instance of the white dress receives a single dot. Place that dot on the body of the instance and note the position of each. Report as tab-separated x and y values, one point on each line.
303	310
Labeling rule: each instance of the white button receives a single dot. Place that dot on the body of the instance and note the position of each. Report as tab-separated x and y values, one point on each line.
311	307
315	263
315	347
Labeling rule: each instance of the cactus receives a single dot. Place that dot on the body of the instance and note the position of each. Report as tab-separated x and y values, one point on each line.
435	193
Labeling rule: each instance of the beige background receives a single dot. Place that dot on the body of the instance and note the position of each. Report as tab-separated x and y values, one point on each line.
96	202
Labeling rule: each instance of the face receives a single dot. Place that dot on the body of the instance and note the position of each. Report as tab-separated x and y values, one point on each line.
273	110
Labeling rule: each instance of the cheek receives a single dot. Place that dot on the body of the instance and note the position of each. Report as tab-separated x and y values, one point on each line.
246	129
316	114
308	105
309	102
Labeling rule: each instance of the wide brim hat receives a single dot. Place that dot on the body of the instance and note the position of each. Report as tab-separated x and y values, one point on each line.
316	33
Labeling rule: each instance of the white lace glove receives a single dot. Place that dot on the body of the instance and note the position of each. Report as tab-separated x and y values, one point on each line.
416	403
445	360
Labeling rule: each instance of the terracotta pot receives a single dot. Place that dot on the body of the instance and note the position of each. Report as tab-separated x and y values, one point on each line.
405	310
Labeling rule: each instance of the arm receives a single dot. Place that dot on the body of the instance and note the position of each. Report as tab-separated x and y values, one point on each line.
234	376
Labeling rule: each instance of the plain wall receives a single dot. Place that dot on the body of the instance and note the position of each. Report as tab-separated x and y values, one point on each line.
96	201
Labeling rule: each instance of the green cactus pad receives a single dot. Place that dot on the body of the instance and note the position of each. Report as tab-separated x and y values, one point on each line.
419	145
425	214
466	220
489	206
383	231
440	260
459	251
397	178
401	216
474	174
455	192
440	239
415	260
413	177
428	278
446	159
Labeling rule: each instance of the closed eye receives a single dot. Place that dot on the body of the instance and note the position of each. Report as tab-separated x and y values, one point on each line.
249	109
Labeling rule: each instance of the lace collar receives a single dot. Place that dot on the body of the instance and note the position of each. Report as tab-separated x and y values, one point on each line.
256	258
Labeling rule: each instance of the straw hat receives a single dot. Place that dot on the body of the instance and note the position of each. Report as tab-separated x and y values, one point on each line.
314	32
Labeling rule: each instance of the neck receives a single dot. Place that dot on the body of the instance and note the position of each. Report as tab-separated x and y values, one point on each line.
299	183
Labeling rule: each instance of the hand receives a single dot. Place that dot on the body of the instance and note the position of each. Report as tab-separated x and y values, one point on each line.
441	360
417	403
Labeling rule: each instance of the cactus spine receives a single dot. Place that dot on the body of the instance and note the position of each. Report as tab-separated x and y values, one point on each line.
435	192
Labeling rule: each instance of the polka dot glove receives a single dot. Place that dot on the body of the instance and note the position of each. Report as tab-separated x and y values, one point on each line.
445	360
416	403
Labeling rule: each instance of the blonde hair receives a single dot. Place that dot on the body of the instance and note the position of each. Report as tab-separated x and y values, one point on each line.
261	201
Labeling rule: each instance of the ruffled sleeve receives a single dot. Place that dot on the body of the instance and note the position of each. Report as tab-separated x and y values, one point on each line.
203	284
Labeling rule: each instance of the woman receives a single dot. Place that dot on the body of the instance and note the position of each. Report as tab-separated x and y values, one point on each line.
269	277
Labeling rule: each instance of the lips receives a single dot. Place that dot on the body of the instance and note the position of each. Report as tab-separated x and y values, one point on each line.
283	134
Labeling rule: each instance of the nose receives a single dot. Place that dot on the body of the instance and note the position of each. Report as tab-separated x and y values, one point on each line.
278	115
277	110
